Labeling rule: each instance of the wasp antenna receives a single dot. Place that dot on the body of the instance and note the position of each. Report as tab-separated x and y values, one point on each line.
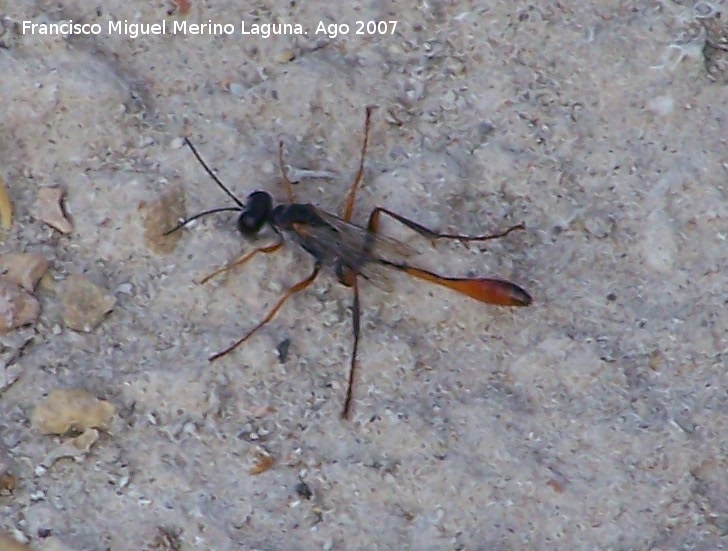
200	215
212	174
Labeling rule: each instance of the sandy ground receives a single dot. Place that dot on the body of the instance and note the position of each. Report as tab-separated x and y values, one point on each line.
595	419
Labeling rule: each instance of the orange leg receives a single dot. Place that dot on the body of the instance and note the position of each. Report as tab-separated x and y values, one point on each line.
351	195
300	286
356	322
242	260
348	278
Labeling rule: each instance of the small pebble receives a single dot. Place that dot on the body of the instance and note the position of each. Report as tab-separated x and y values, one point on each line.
17	307
282	350
24	269
285	56
125	289
303	490
84	303
66	409
74	448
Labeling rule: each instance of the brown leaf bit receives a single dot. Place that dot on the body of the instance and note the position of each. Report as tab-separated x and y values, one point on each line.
84	303
8	543
6	207
285	56
160	216
49	209
183	7
7	476
167	539
555	485
262	461
66	409
24	269
7	484
17	307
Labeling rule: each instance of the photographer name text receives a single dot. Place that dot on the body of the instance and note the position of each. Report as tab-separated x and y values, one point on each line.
264	30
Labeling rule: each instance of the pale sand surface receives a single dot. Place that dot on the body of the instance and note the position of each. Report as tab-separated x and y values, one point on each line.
595	419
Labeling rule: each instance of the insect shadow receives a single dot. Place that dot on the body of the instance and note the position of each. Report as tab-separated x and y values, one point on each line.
350	250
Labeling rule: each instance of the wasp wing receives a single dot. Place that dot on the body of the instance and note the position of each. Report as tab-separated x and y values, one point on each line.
377	245
336	241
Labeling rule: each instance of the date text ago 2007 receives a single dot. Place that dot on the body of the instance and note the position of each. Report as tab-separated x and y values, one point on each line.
332	30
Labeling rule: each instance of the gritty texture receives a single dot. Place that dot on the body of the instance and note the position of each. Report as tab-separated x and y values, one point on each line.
594	419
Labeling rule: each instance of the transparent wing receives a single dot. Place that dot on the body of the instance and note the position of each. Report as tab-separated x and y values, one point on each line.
337	241
379	246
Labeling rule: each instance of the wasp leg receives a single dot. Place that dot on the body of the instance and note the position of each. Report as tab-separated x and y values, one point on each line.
432	235
242	260
348	277
351	195
300	286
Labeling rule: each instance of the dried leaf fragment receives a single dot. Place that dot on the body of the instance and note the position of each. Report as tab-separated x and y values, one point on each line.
48	208
8	543
84	303
66	409
17	307
53	543
6	207
24	269
160	216
7	484
183	7
8	480
262	461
